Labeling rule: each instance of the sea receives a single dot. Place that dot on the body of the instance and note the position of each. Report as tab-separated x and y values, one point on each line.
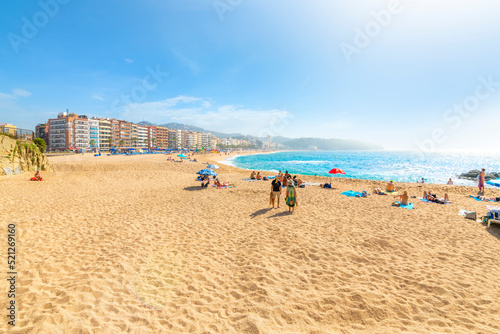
435	168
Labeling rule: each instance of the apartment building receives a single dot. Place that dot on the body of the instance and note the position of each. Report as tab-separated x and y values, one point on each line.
104	134
42	131
151	137
133	135
94	142
68	131
161	137
142	137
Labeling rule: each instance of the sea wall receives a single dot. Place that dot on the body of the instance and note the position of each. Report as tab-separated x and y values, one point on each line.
18	156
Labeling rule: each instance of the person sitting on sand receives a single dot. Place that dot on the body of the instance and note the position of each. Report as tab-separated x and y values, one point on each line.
252	176
38	176
450	182
205	185
258	177
326	185
390	186
403	199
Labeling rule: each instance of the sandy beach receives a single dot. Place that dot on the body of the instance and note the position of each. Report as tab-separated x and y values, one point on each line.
133	244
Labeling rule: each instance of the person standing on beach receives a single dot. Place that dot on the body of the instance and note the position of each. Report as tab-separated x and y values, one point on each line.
481	181
291	196
276	192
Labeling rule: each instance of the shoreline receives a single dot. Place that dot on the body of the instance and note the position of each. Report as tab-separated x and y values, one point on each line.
487	186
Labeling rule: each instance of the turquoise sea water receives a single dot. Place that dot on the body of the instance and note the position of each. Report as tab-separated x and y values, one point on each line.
373	165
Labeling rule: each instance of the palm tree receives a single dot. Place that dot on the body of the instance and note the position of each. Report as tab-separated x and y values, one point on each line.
121	143
134	141
110	141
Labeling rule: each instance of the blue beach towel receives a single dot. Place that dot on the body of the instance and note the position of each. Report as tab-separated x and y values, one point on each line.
477	199
351	193
409	206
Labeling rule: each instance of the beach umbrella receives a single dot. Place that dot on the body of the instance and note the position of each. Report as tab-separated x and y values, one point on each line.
212	166
336	171
207	171
181	155
495	183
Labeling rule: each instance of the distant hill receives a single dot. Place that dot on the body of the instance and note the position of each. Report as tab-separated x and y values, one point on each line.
289	143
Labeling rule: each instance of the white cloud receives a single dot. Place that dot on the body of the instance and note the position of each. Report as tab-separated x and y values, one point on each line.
200	112
4	96
21	92
98	97
128	60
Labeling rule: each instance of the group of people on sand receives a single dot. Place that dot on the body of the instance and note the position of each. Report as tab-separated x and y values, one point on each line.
291	193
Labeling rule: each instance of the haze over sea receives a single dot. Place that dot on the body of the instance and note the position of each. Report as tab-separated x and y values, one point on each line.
374	165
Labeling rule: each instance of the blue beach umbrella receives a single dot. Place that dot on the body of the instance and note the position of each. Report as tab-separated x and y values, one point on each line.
181	155
207	172
212	166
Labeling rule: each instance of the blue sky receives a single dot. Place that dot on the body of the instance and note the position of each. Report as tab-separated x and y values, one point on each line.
402	74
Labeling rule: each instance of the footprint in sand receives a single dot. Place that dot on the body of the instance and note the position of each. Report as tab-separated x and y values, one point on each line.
156	281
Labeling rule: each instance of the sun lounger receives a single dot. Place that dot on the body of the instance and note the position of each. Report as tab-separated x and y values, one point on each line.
493	217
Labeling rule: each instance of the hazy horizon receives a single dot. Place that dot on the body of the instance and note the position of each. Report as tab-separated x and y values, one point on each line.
404	75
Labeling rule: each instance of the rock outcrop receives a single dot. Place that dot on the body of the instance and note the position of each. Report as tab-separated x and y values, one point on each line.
17	156
473	174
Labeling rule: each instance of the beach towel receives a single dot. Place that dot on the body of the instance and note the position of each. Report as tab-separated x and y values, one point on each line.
491	207
463	212
351	193
312	183
250	180
427	201
290	199
394	193
477	199
409	206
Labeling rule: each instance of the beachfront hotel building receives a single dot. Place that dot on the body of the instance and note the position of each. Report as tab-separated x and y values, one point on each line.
94	134
161	137
142	137
70	131
104	133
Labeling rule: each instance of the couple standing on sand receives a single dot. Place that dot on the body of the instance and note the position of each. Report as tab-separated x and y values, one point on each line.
291	195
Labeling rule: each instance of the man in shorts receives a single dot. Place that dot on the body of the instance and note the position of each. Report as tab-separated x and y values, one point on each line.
275	191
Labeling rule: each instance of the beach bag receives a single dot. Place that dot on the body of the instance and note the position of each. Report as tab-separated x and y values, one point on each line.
470	215
271	198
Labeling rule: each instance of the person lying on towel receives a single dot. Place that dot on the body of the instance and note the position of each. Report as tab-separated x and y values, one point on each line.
433	198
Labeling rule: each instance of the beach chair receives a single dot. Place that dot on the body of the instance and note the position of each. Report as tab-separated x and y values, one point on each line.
493	217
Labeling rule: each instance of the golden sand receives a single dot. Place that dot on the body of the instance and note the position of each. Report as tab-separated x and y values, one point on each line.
132	244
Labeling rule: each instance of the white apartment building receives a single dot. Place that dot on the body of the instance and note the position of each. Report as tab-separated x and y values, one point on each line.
94	134
142	136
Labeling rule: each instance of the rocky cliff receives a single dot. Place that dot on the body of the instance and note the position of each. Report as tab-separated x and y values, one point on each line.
17	156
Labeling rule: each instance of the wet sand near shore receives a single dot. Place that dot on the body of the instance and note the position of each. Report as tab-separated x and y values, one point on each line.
133	244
